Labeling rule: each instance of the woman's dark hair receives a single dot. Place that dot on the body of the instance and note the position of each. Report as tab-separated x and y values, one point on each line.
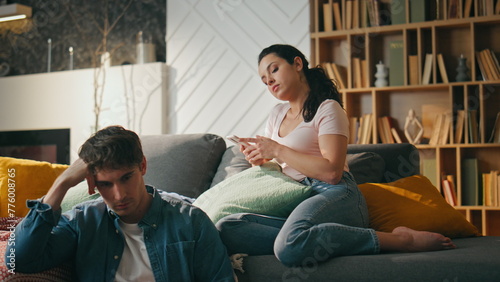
322	87
113	147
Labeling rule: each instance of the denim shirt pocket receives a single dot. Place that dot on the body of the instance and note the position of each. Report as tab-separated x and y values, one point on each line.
179	260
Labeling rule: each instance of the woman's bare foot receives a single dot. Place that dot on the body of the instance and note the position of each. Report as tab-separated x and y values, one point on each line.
421	241
403	239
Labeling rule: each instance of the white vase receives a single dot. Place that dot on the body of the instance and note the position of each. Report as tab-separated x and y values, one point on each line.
381	75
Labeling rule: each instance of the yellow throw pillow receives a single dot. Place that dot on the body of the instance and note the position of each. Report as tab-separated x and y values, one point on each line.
415	203
22	180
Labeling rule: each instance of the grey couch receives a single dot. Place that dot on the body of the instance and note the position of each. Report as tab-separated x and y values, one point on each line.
190	164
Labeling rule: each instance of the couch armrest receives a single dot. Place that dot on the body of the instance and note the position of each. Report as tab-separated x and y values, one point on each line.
401	160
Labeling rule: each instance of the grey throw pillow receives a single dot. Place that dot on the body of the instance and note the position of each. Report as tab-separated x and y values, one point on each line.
366	167
182	163
233	161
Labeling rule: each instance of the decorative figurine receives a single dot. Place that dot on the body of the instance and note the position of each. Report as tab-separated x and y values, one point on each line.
462	69
381	75
412	126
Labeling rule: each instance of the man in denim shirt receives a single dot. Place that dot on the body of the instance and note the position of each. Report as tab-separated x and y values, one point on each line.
132	233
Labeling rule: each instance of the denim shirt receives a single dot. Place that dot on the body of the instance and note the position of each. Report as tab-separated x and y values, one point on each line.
181	241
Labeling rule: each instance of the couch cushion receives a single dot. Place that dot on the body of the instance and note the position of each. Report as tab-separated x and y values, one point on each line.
21	180
233	161
366	167
260	189
182	163
415	203
474	259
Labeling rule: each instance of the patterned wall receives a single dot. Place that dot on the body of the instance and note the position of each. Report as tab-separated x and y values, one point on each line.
212	49
78	23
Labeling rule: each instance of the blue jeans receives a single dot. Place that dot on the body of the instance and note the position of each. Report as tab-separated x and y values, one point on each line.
332	222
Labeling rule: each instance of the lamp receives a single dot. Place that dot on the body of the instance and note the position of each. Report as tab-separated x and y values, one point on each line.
14	12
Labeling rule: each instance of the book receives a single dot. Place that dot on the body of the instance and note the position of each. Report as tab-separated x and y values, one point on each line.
329	70
493	74
389	125
429	114
467	8
442	68
365	78
396	136
486	189
396	63
438	124
398	12
337	15
494	188
429	170
426	76
341	75
473	127
381	130
348	14
413	69
447	192
356	72
482	70
365	129
355	13
495	132
459	126
490	7
492	63
444	129
453	9
418	11
451	180
327	17
353	130
470	182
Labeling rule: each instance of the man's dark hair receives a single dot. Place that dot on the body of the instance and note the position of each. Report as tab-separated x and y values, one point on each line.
113	147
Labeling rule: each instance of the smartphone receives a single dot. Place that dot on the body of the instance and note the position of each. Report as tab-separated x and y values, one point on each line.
236	140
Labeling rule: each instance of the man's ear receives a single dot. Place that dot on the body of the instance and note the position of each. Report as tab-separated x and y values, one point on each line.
297	62
143	165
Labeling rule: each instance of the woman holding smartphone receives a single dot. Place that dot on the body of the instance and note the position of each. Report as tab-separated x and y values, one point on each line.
308	136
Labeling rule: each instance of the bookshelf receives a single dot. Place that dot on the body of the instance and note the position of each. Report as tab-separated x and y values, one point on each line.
442	31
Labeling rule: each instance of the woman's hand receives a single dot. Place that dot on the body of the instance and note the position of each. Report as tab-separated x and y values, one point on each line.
261	150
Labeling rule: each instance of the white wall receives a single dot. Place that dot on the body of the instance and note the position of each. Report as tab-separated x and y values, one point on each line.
134	96
212	49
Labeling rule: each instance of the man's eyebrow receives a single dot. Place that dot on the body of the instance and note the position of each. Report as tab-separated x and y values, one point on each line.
128	174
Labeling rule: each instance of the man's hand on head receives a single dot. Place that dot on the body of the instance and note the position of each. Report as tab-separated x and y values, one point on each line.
74	174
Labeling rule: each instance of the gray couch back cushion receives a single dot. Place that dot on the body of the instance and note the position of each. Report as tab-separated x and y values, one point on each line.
182	163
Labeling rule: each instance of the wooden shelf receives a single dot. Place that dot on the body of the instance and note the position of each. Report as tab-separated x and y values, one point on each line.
452	38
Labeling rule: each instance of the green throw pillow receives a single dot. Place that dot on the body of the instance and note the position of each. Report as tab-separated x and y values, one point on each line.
260	189
76	195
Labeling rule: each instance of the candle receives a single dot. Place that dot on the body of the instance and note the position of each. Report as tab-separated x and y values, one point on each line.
49	54
70	58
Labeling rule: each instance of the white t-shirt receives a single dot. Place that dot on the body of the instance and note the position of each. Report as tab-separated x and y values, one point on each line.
329	119
134	264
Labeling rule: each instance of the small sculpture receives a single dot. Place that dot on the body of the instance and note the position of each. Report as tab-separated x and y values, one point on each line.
381	75
412	126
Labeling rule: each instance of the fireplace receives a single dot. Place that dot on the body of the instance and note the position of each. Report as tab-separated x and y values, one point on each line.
50	145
